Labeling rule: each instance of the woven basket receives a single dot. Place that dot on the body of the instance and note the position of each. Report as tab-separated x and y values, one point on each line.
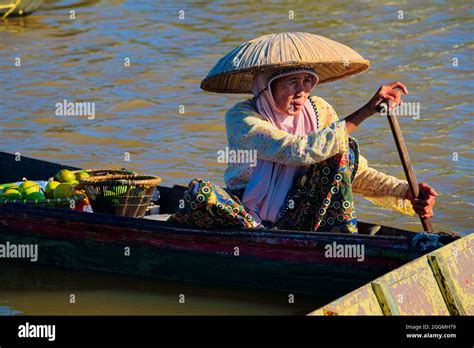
102	172
122	195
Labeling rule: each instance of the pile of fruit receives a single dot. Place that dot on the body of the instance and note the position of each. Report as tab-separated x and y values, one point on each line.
63	185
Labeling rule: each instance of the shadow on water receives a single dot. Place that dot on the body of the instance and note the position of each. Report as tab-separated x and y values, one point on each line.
41	290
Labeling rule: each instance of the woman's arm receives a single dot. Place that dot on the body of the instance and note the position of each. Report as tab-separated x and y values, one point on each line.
381	189
390	192
389	92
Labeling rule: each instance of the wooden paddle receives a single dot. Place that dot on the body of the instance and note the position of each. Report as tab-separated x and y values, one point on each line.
405	158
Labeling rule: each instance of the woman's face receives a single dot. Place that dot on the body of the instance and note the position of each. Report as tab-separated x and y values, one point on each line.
290	92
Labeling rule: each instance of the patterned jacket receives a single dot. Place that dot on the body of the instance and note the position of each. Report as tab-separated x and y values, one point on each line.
247	131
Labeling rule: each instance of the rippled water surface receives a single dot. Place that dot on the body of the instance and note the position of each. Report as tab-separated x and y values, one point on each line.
138	107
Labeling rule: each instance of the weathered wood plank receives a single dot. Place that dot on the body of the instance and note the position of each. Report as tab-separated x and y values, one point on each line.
317	312
453	267
358	302
439	283
410	290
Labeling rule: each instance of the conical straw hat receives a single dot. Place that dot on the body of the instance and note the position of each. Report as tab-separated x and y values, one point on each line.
331	60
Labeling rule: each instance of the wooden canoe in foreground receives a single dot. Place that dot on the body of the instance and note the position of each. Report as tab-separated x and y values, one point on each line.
283	260
439	283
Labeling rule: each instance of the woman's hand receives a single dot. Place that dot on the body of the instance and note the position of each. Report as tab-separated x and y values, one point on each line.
423	206
391	92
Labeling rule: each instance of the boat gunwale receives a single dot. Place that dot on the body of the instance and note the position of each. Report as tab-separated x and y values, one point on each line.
161	227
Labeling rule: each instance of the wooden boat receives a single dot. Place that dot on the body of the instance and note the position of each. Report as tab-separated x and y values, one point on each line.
438	283
283	260
10	8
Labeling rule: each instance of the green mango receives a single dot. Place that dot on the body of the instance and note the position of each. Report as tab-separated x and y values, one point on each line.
50	187
65	175
36	196
11	193
28	187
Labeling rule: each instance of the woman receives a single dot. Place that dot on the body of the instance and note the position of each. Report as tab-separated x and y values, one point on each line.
308	166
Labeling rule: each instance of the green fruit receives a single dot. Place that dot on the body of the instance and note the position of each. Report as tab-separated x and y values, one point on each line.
82	176
50	187
64	190
27	187
12	193
72	182
36	196
5	187
65	175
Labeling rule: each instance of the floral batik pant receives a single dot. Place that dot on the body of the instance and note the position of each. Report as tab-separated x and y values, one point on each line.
319	200
205	204
321	197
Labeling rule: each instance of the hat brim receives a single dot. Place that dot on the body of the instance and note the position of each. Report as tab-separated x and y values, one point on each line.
241	81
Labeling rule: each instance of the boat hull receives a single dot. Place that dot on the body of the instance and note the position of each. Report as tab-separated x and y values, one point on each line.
284	261
290	261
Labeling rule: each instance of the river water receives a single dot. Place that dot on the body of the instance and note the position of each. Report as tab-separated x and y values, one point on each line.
141	63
